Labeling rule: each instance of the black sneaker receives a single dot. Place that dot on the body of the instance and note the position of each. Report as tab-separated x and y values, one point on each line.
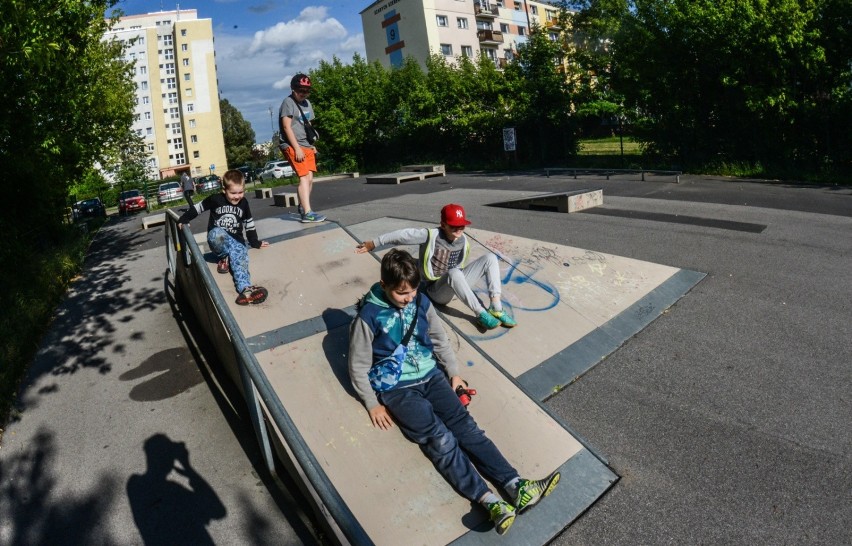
252	295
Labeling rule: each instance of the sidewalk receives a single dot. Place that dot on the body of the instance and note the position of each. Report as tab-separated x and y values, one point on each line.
123	435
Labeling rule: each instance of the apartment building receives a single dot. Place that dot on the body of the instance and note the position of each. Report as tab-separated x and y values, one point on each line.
395	29
177	92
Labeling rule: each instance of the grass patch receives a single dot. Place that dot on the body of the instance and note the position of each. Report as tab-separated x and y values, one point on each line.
609	146
31	291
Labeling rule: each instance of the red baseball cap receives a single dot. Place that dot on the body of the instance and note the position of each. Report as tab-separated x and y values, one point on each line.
453	215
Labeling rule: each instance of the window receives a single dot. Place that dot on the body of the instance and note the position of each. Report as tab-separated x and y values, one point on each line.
186	62
517	6
189	92
183	32
190	107
192	123
462	22
178	142
170	68
149	131
184	47
534	10
143	86
186	77
504	28
447	49
467	51
169	54
147	115
171	83
181	158
174	113
172	98
176	128
193	139
522	31
167	39
196	154
136	117
151	147
146	100
143	69
442	20
553	36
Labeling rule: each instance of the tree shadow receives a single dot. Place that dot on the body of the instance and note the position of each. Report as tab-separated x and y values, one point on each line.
101	300
165	510
33	512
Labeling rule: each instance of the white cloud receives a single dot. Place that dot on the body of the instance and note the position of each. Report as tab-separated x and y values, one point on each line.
254	72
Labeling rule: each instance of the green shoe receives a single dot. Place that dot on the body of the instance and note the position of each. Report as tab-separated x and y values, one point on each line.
502	514
532	491
487	321
503	317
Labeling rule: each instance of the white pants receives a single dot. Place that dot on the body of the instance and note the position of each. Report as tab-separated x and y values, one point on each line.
458	282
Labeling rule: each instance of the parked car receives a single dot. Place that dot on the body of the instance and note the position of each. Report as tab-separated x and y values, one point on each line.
131	201
91	208
276	169
248	172
211	182
169	191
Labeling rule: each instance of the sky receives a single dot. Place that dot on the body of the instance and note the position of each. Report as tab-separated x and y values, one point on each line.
261	44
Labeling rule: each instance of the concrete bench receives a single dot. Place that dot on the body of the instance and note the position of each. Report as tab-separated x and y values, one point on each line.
286	199
423	168
263	193
153	220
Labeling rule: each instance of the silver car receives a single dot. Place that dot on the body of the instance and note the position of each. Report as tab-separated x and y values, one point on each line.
170	191
276	169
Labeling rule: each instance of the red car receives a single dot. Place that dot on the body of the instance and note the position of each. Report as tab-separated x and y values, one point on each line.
131	201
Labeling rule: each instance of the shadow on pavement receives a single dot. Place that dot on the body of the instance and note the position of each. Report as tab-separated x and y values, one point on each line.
284	491
34	513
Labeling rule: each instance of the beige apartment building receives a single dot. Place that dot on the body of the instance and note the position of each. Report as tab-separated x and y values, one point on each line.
395	29
177	92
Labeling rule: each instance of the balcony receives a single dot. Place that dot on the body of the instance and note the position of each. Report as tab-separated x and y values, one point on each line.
486	12
489	37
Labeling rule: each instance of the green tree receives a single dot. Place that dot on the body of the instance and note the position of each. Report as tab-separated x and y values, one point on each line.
541	107
238	135
65	104
730	80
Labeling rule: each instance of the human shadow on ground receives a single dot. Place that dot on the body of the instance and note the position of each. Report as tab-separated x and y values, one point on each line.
284	491
34	511
165	510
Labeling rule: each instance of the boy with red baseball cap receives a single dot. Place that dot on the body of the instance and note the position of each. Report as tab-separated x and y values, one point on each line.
443	260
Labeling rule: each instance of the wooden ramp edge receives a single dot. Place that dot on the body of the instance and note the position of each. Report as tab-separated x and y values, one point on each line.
300	338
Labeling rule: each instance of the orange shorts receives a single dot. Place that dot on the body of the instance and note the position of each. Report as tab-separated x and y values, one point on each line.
305	166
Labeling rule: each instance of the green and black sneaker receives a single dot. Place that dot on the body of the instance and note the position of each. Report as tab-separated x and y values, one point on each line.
502	514
532	491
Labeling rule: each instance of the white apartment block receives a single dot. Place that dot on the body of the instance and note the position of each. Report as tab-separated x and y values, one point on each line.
177	92
395	29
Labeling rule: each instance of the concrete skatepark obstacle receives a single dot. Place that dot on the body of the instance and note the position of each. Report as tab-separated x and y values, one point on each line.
574	306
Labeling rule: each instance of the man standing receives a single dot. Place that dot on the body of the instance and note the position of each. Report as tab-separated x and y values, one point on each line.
297	141
188	187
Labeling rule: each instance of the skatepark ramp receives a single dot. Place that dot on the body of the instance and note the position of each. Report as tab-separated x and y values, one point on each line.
366	486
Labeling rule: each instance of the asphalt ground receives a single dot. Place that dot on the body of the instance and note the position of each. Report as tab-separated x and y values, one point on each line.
727	417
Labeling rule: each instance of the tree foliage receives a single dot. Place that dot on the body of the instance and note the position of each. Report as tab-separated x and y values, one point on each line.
732	81
65	104
238	135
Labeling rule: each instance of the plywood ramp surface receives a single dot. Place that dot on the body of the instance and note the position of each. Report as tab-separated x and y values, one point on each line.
300	337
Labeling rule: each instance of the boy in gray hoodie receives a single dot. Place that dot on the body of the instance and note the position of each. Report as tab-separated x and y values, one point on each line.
419	392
